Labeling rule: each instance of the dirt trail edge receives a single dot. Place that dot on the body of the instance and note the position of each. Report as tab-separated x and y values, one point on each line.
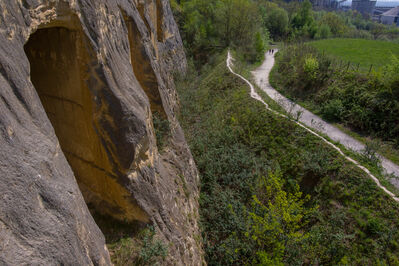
262	79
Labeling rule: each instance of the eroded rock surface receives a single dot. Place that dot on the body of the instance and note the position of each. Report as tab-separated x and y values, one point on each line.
80	81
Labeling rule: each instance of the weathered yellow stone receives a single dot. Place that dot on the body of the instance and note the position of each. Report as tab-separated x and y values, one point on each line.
142	67
62	66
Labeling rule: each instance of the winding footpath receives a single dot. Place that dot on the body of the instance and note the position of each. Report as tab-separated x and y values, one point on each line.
309	121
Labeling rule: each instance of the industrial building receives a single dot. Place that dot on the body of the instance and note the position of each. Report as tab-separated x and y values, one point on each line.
364	6
391	17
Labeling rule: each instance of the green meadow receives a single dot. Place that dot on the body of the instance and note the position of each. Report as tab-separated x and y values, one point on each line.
359	51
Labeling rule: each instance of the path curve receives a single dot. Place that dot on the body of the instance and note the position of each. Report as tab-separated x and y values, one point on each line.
262	79
313	121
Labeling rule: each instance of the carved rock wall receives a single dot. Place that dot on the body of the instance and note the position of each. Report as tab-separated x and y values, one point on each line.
79	81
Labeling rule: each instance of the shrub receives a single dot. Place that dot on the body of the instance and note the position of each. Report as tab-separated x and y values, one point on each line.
391	76
152	249
311	67
276	219
374	226
333	110
143	249
162	129
371	152
323	32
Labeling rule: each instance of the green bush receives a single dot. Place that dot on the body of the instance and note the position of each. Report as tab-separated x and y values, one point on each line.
162	129
276	219
131	243
323	32
152	249
370	152
374	226
333	110
311	67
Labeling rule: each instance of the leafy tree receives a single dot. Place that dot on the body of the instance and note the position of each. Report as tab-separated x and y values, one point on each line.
276	220
277	22
239	20
304	16
198	26
208	26
260	46
303	23
335	23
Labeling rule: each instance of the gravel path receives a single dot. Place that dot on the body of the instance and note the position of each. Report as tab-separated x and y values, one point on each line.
313	121
310	120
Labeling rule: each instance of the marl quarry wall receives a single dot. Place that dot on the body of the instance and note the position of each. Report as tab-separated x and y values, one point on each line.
80	80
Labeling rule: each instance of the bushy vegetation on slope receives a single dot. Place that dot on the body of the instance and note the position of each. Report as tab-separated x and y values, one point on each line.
366	102
131	243
272	193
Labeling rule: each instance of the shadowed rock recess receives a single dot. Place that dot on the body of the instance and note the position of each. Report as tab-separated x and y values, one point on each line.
80	81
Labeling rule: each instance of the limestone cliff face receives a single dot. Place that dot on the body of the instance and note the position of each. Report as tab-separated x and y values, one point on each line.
80	81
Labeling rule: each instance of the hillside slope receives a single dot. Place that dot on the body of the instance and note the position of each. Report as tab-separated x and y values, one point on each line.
256	169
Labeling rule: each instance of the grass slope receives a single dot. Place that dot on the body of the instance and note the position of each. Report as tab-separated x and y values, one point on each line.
359	51
235	142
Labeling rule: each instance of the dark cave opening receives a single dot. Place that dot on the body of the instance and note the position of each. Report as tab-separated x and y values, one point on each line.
59	70
63	71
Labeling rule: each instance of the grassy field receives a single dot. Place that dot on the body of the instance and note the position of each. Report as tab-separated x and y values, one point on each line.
359	51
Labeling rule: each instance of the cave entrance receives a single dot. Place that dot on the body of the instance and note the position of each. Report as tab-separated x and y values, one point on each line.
63	65
59	71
